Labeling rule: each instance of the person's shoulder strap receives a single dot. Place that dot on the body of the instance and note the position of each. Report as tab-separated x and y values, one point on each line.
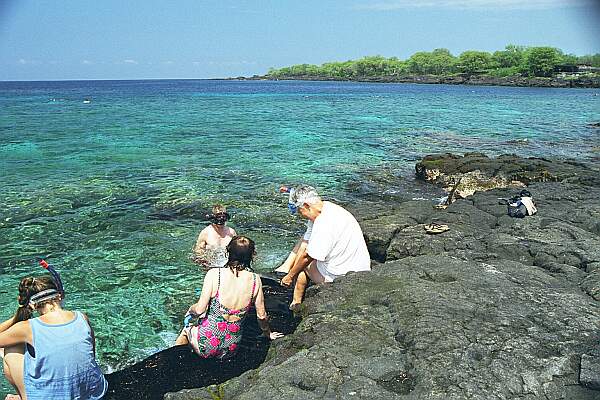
253	288
218	280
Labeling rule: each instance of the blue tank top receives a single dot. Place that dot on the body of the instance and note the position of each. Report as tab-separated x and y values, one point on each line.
63	366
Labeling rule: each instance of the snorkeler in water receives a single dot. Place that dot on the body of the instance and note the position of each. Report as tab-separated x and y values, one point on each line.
209	250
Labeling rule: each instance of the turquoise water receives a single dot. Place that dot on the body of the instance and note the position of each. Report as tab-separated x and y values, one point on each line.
114	192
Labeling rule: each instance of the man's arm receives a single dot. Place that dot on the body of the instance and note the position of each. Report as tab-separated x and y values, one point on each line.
201	242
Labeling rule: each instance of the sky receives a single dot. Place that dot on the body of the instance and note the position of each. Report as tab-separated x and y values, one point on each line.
190	39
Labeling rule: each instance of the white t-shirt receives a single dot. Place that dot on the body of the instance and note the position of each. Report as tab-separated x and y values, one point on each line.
336	241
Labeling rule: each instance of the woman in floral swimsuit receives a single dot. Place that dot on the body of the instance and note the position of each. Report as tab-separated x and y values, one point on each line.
227	295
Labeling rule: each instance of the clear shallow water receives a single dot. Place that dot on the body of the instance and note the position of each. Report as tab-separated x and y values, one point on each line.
114	192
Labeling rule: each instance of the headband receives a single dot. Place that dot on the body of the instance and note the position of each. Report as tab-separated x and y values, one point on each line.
43	296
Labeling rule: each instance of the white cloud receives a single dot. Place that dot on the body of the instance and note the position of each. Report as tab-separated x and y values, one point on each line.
129	61
86	62
22	61
168	62
473	4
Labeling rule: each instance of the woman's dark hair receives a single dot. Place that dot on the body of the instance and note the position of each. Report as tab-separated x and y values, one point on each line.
241	252
27	288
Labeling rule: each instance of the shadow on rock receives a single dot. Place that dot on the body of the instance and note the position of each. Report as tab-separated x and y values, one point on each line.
178	368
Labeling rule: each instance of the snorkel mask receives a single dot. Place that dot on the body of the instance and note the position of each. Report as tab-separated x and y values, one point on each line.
219	218
292	207
49	293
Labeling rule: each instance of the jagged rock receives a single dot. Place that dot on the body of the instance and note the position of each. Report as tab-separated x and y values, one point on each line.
478	172
590	371
431	327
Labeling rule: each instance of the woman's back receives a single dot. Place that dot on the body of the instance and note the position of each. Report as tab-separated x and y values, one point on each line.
62	364
234	292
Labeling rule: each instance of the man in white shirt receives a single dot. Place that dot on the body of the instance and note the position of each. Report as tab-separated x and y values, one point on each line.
332	246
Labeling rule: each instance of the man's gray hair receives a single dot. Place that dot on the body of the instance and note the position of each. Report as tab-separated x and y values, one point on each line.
304	194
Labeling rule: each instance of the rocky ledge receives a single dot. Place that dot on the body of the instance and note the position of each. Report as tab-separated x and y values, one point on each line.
581	81
474	172
494	308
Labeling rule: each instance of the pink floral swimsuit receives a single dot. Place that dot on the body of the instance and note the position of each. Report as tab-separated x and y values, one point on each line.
216	336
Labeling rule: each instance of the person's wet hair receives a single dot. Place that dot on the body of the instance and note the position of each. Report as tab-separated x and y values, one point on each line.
219	209
241	251
29	287
219	215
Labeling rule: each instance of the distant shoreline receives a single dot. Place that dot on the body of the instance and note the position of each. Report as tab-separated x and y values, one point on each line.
471	80
474	80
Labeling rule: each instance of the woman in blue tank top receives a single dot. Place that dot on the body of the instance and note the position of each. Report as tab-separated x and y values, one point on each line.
51	356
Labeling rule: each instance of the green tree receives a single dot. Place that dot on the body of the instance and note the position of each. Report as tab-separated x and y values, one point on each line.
420	63
569	59
541	61
511	56
442	62
472	61
590	59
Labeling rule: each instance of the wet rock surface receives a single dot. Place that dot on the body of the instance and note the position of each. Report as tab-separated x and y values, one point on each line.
494	308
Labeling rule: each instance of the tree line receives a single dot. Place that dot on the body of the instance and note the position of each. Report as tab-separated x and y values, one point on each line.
512	61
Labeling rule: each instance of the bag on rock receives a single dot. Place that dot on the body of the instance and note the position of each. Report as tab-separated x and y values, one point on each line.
517	209
522	205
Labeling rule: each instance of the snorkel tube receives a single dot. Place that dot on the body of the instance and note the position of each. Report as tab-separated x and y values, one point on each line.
55	276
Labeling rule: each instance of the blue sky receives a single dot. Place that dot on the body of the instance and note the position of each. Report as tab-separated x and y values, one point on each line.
151	39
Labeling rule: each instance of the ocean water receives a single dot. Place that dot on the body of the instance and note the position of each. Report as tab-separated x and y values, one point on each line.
113	192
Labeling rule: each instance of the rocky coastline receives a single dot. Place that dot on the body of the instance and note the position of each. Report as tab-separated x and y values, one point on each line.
494	308
459	79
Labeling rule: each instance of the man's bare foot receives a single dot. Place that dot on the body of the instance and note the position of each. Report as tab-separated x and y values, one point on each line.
295	307
12	397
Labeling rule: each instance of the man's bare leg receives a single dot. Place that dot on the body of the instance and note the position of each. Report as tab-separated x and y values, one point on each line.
299	247
299	288
302	281
13	362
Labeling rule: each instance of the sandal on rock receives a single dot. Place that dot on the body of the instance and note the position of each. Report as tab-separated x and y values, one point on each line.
12	397
434	228
440	206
